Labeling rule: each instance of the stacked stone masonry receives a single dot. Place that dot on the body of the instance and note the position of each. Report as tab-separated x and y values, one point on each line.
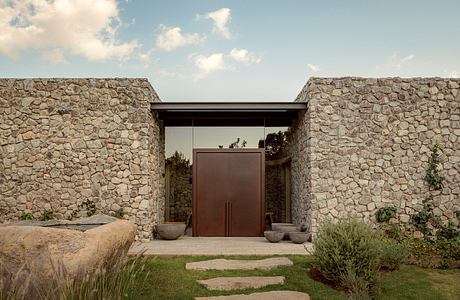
64	142
364	144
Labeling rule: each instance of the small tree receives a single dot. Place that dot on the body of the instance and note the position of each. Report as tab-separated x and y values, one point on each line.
178	161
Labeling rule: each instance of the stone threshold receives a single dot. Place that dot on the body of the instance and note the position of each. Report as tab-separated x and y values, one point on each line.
195	246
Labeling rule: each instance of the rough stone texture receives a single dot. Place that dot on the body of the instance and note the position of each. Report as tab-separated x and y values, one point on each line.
67	141
273	295
43	252
81	224
230	264
236	283
364	144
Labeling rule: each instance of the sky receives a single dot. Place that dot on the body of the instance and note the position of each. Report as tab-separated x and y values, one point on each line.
229	50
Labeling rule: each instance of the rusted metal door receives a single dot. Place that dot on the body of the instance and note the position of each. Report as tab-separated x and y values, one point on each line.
228	192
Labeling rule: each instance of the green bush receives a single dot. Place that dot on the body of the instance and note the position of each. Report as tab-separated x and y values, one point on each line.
393	254
348	253
47	215
448	232
384	214
439	253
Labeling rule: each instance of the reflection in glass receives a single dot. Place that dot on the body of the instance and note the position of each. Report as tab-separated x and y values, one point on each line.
179	144
178	173
277	174
227	137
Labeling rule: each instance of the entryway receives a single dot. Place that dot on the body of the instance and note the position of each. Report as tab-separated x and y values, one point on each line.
228	192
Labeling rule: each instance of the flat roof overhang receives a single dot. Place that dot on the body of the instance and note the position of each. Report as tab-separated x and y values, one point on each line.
228	113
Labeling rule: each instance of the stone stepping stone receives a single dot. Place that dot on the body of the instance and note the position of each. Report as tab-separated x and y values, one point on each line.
273	295
231	264
235	283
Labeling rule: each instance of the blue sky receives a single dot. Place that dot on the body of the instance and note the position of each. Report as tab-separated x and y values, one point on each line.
229	50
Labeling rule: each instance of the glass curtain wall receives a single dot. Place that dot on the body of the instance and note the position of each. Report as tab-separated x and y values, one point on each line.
179	145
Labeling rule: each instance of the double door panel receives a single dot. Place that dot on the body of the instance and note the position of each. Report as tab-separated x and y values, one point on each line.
228	192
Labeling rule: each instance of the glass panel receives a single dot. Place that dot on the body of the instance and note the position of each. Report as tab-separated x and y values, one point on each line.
178	173
277	174
227	137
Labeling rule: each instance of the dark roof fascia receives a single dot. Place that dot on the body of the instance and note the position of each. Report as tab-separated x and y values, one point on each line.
229	106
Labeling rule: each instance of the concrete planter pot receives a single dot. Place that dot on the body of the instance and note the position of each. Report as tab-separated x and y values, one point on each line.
285	228
274	236
299	237
170	231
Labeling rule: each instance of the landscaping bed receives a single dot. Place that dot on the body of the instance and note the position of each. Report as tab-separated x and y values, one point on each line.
168	279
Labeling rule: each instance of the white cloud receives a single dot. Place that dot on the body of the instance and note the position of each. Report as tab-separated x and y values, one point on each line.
221	18
243	55
313	68
80	27
395	62
171	38
209	64
54	56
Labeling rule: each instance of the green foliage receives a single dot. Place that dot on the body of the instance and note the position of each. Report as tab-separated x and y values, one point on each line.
116	279
119	213
236	144
432	177
440	253
90	207
178	161
448	231
384	214
393	254
276	145
47	215
348	253
422	218
27	216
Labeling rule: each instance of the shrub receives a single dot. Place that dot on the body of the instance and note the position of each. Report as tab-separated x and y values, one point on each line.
348	253
27	216
392	255
439	253
119	213
448	232
47	215
116	279
384	214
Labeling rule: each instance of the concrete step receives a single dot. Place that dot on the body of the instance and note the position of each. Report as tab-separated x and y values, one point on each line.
273	295
230	264
236	283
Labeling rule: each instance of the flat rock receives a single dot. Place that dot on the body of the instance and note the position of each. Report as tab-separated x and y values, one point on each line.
273	295
81	224
235	283
230	264
41	252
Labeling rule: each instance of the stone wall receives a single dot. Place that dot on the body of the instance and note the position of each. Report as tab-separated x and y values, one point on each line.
364	144
64	142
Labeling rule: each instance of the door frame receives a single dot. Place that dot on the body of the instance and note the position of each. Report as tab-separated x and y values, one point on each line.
194	185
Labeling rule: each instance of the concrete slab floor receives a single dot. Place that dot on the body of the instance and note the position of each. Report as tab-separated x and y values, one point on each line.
219	246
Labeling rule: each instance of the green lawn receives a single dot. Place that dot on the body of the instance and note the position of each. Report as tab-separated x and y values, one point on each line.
168	279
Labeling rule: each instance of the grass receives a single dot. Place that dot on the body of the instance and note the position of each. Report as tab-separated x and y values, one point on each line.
168	279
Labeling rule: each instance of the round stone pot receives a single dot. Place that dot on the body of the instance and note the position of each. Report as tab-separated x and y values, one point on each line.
274	236
299	237
285	228
170	231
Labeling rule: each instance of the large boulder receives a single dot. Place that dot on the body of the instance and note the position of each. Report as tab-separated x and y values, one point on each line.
47	253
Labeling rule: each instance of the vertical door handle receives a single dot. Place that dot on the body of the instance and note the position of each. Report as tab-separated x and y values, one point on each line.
230	219
226	219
